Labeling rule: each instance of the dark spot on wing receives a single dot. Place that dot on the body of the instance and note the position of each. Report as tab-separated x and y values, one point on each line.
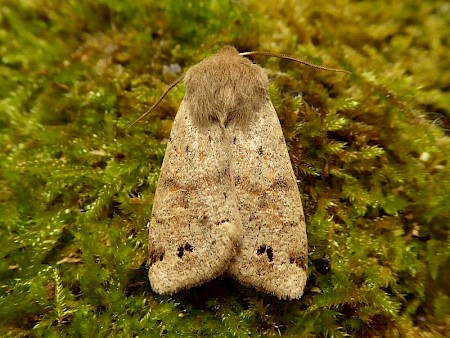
269	253
261	250
155	255
182	249
188	247
265	249
180	252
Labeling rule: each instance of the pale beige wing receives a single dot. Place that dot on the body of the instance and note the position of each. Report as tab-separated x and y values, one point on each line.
273	253
195	225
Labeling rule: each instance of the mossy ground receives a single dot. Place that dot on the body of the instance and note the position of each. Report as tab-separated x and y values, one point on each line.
371	152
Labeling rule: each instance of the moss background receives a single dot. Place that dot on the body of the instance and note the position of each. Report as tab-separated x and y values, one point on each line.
371	152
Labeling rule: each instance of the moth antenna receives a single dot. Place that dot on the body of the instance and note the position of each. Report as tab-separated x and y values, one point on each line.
173	84
292	58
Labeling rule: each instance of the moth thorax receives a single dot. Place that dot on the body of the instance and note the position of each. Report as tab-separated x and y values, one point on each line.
225	90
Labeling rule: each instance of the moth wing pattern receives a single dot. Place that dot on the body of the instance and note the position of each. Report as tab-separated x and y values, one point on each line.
273	251
195	225
227	197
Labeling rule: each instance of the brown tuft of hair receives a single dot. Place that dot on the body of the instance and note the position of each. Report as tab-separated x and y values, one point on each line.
226	87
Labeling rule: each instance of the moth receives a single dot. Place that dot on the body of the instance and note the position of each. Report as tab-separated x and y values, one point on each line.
227	199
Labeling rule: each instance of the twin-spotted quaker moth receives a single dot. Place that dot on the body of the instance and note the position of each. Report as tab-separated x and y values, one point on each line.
227	199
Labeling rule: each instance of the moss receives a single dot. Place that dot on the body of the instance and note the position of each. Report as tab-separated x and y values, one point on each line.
371	152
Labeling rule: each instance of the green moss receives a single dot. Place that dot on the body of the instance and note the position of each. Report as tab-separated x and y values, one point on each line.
370	151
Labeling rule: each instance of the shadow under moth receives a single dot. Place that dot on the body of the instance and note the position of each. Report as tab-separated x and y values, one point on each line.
227	199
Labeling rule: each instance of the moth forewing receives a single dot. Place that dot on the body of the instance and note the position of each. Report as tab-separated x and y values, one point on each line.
273	256
195	225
